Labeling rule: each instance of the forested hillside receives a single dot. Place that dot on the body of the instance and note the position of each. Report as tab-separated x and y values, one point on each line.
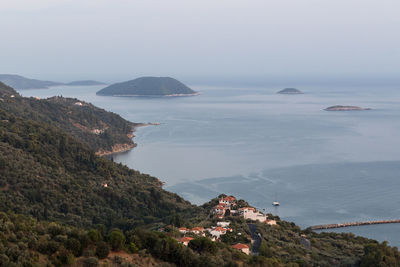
99	129
51	175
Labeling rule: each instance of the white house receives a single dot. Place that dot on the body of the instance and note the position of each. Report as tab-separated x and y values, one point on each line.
217	231
183	230
219	209
252	214
223	224
228	201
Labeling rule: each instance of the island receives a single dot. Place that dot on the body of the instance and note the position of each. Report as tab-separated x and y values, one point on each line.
345	108
148	86
84	83
290	91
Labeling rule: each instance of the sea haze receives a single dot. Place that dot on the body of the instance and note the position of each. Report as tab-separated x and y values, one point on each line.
323	167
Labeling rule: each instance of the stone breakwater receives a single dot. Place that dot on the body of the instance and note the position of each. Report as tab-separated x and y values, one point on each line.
349	224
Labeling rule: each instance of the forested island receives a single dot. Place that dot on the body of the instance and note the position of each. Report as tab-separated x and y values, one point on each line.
148	86
290	91
345	108
61	204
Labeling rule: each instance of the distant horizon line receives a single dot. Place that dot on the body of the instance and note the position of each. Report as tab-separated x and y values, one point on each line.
245	80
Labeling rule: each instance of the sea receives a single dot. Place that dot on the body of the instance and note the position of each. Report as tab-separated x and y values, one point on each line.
322	166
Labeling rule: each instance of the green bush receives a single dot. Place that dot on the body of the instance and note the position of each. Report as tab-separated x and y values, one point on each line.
74	245
132	248
202	245
116	239
102	250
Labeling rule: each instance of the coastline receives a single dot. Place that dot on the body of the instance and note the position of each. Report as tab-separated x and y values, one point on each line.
172	95
119	148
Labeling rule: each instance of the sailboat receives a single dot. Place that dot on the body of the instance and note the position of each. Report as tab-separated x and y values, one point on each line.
275	203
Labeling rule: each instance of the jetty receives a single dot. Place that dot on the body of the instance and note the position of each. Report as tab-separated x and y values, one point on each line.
349	224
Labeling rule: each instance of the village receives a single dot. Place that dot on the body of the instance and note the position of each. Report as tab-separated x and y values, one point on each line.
226	209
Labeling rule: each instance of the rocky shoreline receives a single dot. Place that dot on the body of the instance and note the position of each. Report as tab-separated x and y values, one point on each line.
119	148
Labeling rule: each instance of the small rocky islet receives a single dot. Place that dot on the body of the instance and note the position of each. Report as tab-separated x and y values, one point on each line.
345	108
290	91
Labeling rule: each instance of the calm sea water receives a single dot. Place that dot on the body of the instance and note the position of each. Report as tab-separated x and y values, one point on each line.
323	167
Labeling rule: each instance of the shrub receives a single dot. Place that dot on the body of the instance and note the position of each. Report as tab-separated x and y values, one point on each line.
203	244
116	240
74	245
102	250
132	248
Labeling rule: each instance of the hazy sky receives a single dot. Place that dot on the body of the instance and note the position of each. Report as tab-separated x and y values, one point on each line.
200	40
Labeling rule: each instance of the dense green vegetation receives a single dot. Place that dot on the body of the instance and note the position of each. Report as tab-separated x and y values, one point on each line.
99	129
53	176
147	86
55	209
27	242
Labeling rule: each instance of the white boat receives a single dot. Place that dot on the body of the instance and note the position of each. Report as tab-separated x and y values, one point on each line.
275	203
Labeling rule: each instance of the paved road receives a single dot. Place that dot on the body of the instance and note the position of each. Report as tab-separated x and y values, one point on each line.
256	237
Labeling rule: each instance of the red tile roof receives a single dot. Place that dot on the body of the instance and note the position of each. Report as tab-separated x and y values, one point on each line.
186	239
240	246
247	208
230	198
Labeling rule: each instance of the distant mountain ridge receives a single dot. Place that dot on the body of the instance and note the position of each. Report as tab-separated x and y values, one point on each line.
148	86
20	82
